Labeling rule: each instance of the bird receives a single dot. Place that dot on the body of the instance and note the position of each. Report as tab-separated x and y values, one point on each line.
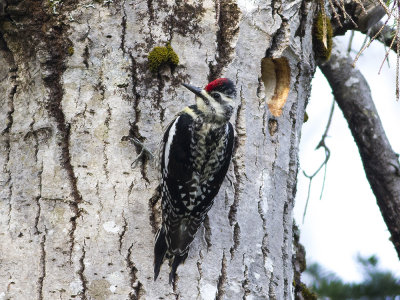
196	151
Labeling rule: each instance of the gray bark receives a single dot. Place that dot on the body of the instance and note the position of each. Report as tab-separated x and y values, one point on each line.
76	219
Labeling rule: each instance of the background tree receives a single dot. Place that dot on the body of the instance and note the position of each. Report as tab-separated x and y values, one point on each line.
377	283
76	219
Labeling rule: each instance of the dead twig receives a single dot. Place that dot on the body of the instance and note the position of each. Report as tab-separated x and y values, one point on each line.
321	144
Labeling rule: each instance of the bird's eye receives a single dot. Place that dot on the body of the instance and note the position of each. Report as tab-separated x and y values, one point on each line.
216	96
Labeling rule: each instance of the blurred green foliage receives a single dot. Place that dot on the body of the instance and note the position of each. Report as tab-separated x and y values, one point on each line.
377	284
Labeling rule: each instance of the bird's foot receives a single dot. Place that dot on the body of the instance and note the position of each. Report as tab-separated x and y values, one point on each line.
144	154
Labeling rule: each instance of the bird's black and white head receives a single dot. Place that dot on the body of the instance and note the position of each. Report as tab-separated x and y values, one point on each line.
217	100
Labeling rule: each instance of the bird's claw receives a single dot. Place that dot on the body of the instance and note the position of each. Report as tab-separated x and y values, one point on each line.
144	154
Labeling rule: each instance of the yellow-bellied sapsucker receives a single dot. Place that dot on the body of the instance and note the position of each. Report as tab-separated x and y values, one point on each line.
196	152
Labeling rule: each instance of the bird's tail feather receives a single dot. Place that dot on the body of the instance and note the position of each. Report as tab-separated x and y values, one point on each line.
178	259
161	252
160	249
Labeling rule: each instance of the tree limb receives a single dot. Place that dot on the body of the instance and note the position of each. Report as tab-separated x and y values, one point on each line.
366	21
359	18
385	36
380	162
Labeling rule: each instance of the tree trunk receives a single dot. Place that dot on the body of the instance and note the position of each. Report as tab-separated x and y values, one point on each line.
77	221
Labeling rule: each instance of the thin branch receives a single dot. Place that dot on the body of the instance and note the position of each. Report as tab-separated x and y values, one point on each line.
350	42
386	54
346	15
335	14
368	23
385	8
324	180
324	163
359	2
373	37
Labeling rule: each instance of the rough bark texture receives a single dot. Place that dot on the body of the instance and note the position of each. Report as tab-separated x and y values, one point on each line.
380	162
76	220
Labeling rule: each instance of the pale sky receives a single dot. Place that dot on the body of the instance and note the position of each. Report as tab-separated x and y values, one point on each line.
347	220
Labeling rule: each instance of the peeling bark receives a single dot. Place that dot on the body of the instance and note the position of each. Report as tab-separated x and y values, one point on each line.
75	88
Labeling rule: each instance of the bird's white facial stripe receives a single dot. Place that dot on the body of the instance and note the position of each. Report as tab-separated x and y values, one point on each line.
210	105
171	135
205	94
201	105
226	98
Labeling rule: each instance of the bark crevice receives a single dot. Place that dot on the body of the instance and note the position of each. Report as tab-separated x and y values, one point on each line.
280	36
54	66
155	212
42	266
105	142
222	279
81	274
122	234
236	239
236	196
123	31
12	75
245	281
227	17
136	285
37	198
200	271
134	127
285	254
37	217
207	232
241	136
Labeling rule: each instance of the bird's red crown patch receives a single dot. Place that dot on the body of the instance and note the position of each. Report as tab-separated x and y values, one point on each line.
216	83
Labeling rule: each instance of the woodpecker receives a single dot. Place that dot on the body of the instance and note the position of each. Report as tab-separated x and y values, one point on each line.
195	155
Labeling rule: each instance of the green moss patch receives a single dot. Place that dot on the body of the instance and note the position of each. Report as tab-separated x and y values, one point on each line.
162	56
71	51
322	36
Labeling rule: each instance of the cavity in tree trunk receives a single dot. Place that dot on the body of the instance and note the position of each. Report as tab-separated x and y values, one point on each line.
76	219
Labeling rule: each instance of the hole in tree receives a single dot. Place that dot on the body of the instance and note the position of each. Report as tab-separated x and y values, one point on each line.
275	74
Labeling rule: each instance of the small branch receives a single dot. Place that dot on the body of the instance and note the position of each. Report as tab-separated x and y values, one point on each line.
324	163
383	33
380	162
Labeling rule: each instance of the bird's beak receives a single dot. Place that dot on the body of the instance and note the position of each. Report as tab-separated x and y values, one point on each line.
193	89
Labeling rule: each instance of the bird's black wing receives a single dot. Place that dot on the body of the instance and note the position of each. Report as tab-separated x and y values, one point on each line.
176	165
176	170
